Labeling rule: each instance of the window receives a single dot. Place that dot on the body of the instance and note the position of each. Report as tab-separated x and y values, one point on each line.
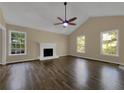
17	43
81	44
110	43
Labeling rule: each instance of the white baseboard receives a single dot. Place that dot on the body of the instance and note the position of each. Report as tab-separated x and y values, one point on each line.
99	60
121	67
26	60
63	55
121	64
21	61
47	58
1	63
51	57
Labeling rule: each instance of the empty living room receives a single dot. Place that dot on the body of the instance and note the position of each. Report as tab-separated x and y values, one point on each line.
61	46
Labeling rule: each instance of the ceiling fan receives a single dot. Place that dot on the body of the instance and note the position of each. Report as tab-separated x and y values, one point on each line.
66	22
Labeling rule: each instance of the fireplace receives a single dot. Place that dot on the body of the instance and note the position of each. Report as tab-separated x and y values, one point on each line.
48	52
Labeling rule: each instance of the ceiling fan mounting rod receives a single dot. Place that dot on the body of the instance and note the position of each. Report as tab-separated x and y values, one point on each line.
65	3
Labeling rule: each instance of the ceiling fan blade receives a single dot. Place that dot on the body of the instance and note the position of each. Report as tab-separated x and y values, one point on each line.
60	19
58	23
71	23
72	19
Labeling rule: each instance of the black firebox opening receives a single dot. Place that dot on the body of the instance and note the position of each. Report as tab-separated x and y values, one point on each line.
48	52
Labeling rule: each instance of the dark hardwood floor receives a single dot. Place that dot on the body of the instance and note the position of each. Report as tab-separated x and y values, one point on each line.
64	73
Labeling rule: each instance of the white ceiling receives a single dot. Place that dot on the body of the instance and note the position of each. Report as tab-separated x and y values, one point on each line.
43	15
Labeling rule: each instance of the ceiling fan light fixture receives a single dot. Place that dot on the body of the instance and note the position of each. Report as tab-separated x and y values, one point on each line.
65	24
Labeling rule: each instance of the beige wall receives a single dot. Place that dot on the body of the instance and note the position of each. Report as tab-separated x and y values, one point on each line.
0	46
2	24
34	37
0	40
91	29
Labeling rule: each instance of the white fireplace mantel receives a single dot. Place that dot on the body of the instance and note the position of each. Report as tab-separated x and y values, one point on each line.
45	46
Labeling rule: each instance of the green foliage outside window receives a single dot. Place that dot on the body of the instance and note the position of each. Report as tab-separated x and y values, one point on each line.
109	43
17	42
81	44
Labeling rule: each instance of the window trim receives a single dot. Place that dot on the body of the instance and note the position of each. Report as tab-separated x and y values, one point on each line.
24	43
101	42
83	46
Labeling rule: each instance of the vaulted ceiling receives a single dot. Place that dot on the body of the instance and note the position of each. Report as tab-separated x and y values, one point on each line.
43	15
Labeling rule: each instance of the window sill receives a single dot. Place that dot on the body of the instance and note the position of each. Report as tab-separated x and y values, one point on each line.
110	55
17	54
81	52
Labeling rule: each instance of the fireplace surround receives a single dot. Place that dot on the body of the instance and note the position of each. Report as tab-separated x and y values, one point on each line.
48	51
